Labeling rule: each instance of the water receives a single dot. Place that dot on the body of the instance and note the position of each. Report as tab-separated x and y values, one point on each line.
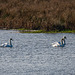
33	54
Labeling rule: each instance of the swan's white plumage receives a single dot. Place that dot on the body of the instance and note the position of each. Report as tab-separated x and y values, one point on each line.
60	44
6	44
55	44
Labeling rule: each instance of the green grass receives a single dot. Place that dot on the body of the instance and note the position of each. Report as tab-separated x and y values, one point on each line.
68	31
22	30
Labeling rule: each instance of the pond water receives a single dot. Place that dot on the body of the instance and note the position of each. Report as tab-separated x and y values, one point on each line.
33	54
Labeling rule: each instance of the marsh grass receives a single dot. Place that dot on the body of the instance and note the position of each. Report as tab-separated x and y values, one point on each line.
43	31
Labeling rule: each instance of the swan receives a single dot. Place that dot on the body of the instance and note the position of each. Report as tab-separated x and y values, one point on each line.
60	44
7	45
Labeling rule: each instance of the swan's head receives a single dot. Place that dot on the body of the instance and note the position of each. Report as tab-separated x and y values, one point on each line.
11	39
64	37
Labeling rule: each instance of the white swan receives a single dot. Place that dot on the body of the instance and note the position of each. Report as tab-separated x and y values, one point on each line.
60	44
7	45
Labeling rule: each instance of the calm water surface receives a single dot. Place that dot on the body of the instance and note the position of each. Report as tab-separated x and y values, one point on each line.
32	54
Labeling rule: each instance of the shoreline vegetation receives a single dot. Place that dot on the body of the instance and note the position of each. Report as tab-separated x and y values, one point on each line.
22	30
38	15
42	31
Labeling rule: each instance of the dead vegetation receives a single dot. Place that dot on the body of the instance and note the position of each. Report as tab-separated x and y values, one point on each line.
37	14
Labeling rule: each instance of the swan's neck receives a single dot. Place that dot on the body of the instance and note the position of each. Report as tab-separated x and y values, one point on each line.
61	41
10	42
64	42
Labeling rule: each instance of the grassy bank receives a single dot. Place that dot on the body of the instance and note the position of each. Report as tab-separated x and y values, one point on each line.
43	31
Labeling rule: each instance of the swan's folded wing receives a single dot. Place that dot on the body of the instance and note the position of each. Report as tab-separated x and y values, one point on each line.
2	45
5	43
55	44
